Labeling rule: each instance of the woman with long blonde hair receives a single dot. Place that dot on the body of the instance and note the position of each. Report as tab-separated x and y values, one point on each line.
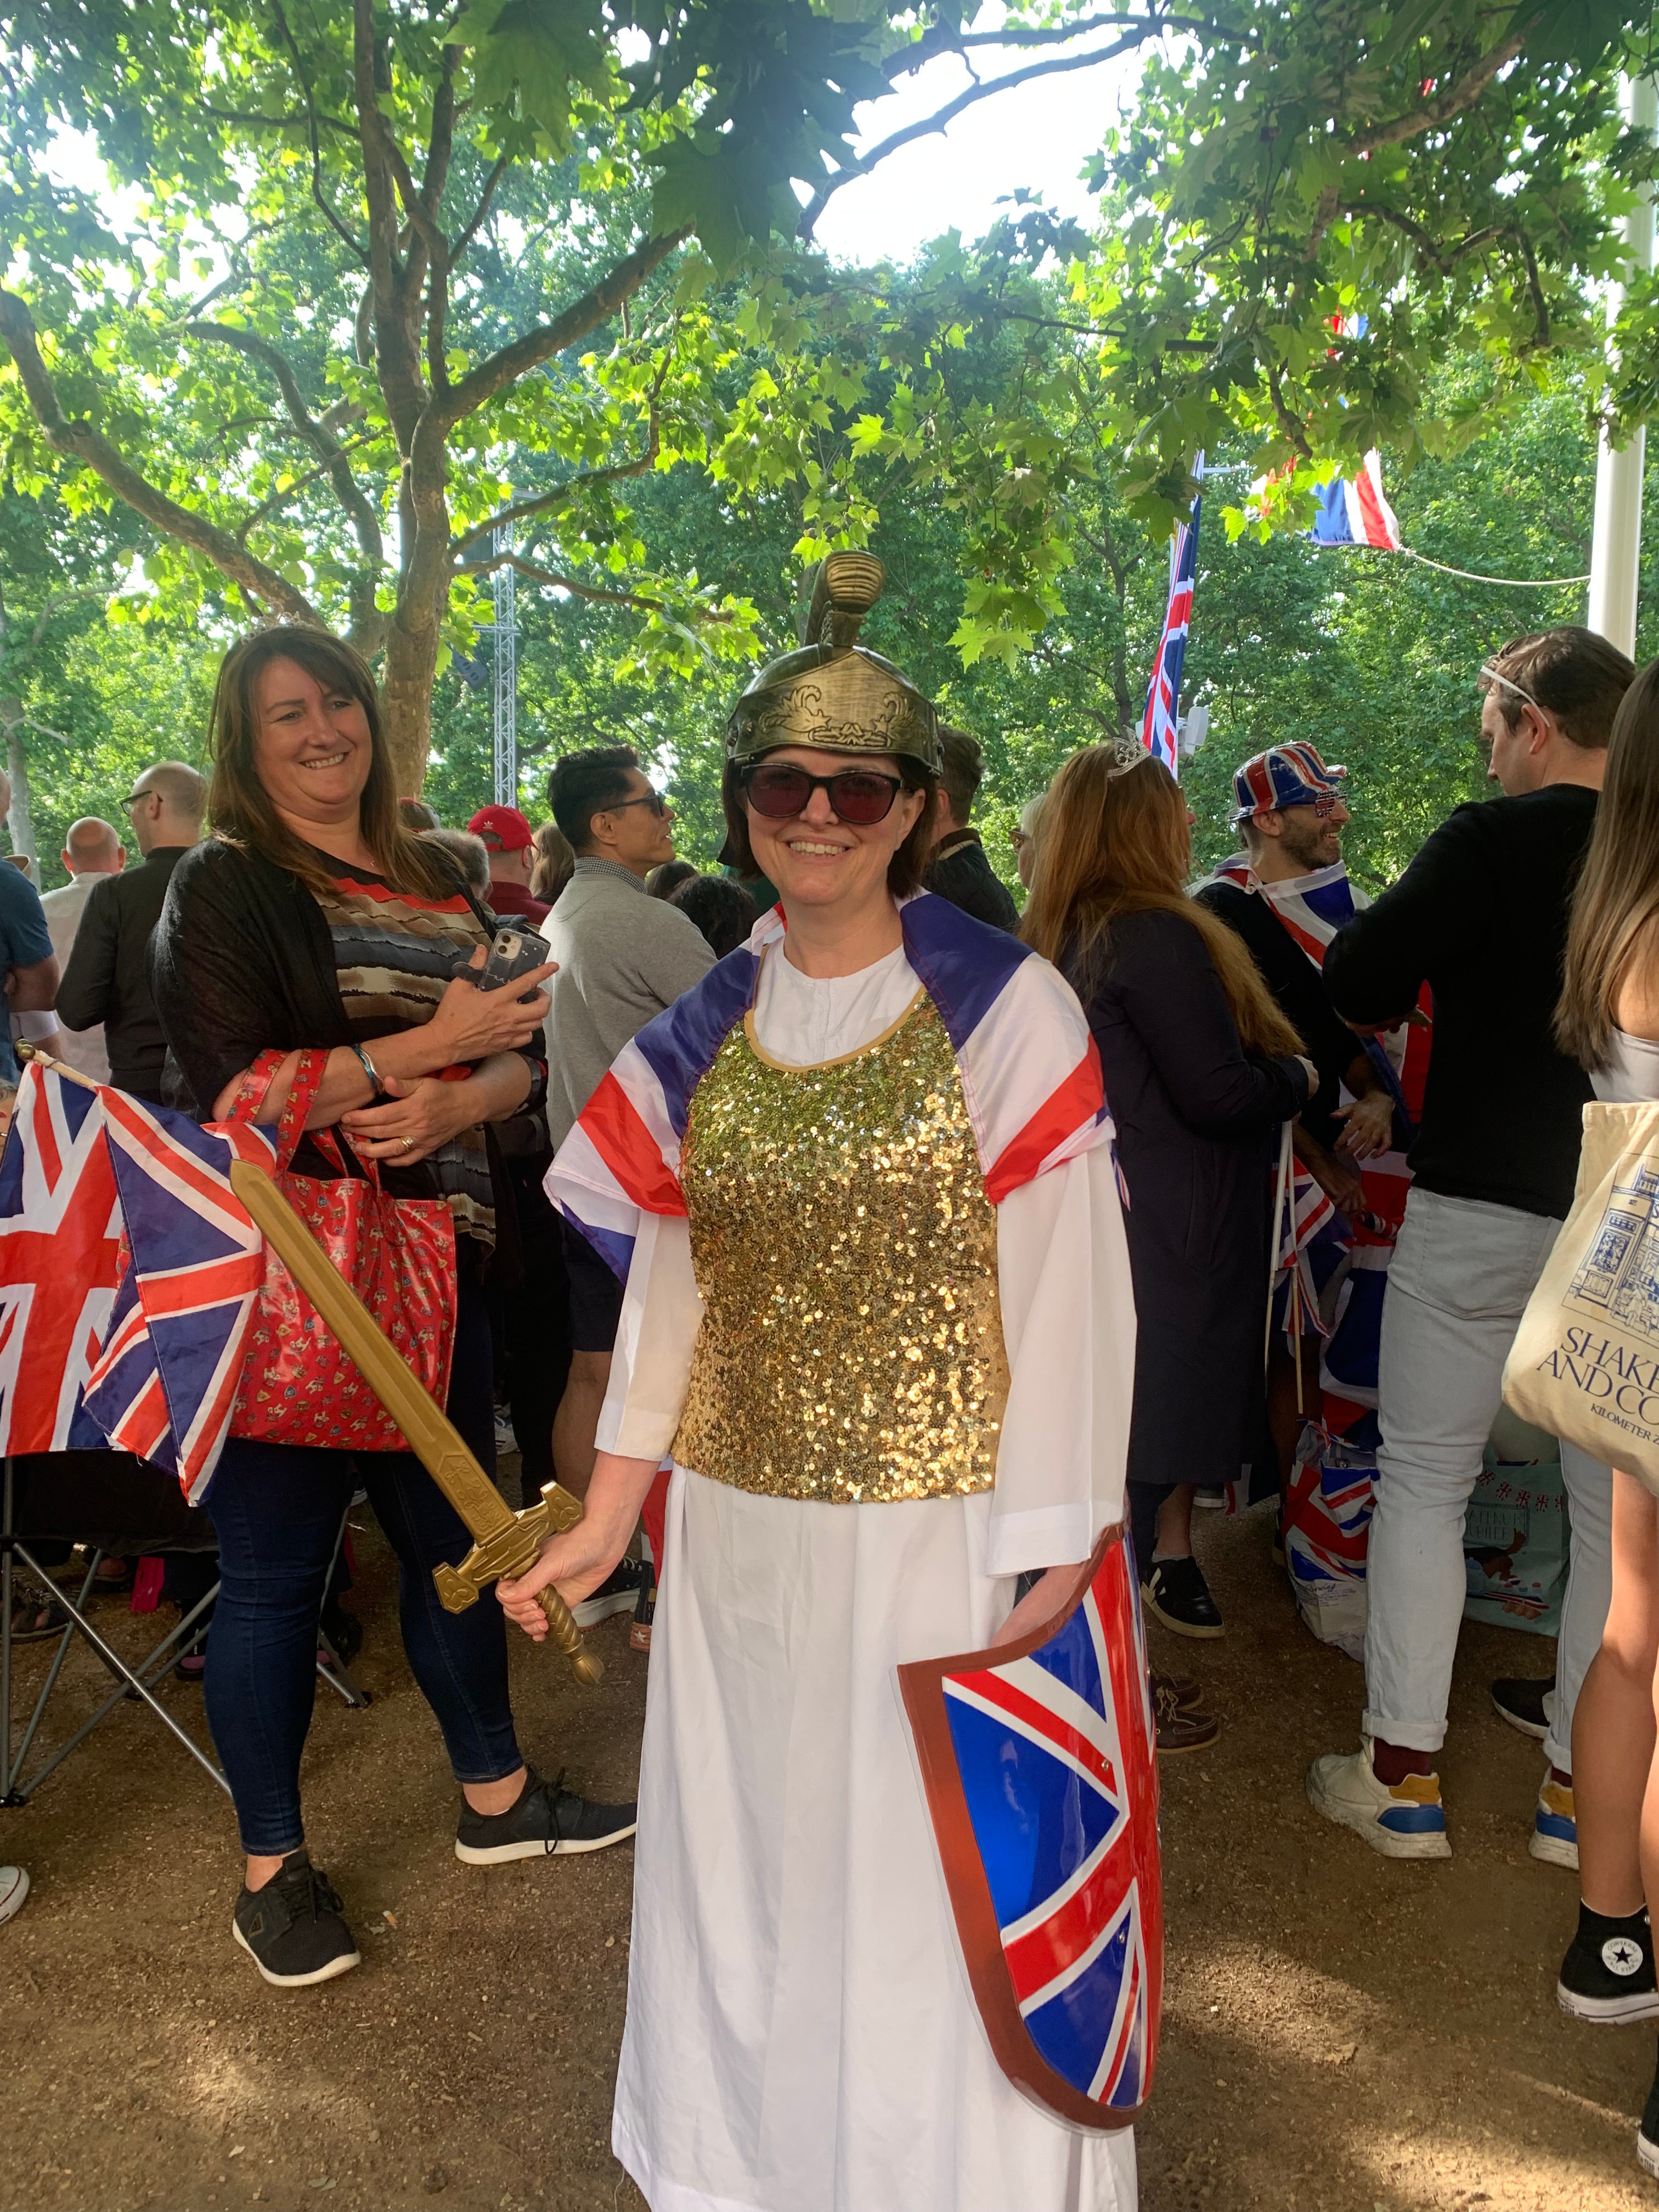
1608	1021
1201	1068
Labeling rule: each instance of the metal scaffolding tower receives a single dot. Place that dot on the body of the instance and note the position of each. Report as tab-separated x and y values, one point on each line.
507	677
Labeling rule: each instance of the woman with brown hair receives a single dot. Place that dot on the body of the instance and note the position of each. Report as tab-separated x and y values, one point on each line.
1200	1069
311	921
555	863
1608	1021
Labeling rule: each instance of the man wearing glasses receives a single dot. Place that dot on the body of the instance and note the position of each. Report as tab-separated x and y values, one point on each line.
623	956
1481	915
107	978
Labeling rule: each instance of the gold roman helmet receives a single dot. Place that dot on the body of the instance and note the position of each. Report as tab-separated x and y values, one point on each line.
835	693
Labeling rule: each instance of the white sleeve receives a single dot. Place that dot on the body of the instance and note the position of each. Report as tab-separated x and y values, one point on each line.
650	1364
1068	1320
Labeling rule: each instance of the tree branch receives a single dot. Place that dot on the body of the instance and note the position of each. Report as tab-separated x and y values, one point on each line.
543	501
321	440
941	39
317	191
1452	104
79	442
862	164
397	358
595	307
480	211
539	576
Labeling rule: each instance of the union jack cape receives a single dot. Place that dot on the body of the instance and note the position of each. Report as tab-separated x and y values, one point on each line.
1029	1073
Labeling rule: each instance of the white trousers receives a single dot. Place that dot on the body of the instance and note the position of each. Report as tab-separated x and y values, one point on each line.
1458	1283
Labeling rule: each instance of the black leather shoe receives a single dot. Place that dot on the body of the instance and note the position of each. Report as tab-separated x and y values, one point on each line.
1175	1593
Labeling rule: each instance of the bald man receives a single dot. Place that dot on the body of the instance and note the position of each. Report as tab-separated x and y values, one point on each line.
93	848
107	979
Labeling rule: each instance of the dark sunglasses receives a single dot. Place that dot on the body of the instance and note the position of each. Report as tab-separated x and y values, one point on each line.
858	795
653	799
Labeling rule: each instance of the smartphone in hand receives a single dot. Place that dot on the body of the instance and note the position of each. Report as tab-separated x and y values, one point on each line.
513	953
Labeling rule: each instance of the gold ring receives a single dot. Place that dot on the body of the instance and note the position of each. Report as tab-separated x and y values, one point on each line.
409	1144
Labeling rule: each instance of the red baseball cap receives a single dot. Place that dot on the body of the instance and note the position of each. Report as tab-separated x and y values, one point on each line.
505	825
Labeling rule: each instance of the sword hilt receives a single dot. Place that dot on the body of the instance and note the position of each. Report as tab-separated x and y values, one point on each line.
512	1551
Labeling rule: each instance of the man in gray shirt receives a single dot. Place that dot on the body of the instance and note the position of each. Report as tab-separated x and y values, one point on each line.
623	956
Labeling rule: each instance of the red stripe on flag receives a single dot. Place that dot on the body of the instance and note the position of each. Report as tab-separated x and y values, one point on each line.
1060	1942
1370	509
628	1149
1008	1697
1079	1100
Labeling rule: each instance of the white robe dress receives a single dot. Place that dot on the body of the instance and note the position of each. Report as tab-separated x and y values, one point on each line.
800	2035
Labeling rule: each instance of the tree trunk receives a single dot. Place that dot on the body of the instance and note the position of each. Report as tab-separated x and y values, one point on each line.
411	665
18	821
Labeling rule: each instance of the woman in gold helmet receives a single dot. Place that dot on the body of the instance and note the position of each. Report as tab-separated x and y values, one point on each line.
878	1313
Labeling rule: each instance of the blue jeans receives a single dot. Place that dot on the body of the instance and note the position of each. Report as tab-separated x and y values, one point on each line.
277	1509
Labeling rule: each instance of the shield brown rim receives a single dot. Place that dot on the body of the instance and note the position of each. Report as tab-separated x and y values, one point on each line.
921	1684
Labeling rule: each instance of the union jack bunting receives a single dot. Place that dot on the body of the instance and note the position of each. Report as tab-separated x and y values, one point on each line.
1353	511
60	1233
128	1272
1158	724
1040	1767
1030	1072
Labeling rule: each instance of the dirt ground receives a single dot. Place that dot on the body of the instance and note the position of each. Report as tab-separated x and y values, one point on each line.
1342	2033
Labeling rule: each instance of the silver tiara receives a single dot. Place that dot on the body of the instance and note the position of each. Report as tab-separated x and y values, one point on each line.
1126	753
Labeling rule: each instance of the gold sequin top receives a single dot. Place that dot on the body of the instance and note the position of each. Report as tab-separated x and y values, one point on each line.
851	1348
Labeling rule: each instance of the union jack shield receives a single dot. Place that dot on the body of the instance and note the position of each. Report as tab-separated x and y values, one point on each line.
1040	1764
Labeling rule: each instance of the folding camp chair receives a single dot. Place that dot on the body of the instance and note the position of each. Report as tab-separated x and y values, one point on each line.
110	1503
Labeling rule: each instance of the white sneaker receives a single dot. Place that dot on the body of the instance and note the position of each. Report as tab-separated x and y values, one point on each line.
1404	1822
13	1889
1555	1825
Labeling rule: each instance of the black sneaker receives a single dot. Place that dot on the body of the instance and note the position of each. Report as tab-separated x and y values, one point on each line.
1610	1980
1647	2135
1525	1704
292	1929
547	1821
618	1593
1175	1593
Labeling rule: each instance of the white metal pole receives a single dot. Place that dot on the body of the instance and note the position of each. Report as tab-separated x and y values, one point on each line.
507	677
1616	547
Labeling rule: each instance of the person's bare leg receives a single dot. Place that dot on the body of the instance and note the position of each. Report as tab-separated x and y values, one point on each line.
1615	1795
577	1420
1175	1524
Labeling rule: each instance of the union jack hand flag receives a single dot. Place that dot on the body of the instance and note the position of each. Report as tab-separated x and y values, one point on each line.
1159	723
144	1358
60	1233
1043	1784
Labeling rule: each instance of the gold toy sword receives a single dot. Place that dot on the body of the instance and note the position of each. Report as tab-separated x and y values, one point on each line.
506	1543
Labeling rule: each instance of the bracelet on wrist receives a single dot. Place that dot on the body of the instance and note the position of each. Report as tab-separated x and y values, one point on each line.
369	1069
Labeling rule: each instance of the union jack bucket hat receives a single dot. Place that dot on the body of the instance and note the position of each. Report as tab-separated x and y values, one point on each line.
1285	775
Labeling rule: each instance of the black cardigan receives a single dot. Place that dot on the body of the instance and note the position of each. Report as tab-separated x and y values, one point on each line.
241	961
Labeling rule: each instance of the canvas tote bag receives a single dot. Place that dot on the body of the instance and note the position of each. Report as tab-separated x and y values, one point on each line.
1584	1364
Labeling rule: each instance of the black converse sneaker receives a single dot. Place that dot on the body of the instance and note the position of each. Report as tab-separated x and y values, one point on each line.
1607	1973
1175	1593
292	1929
547	1820
618	1593
1647	2135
